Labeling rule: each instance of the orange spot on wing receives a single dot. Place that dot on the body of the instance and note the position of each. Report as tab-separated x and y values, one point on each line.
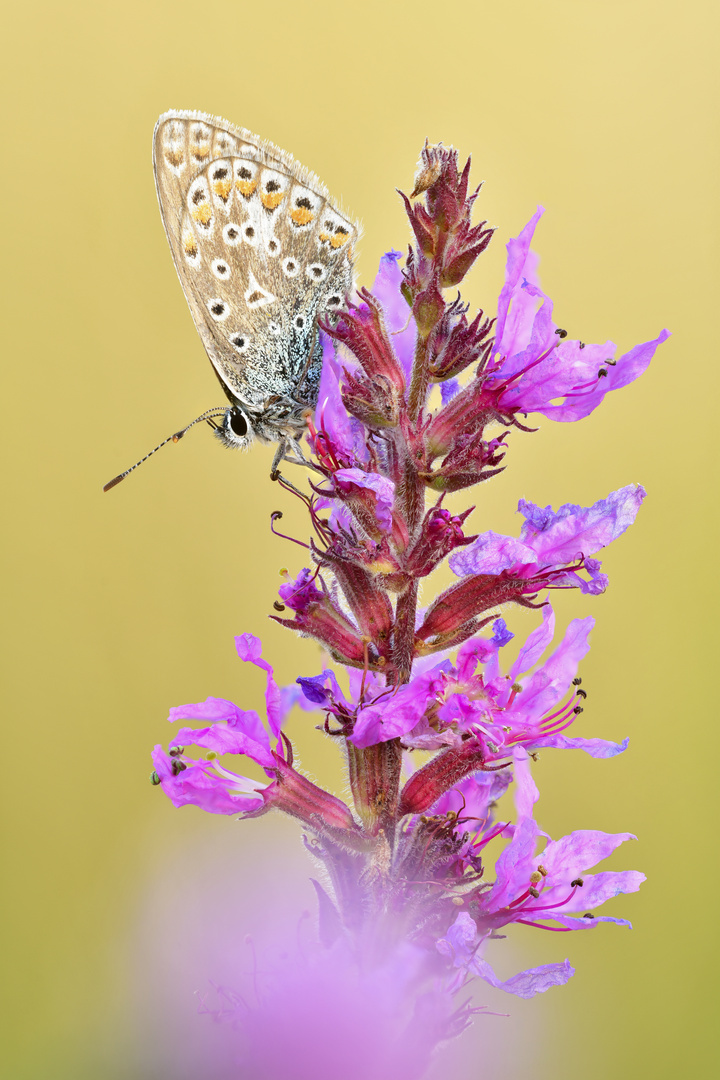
202	214
246	187
271	199
190	246
301	215
200	152
222	188
335	240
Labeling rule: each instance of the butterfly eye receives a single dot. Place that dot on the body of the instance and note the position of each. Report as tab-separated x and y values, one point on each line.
238	423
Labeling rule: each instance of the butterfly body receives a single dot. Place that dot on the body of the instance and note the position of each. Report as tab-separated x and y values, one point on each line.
262	253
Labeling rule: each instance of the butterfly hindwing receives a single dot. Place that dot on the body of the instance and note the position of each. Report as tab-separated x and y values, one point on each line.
260	250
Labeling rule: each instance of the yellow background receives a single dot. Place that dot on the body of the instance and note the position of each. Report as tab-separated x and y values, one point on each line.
120	605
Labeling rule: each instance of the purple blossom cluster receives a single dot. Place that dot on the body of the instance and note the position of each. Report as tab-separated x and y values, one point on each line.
435	726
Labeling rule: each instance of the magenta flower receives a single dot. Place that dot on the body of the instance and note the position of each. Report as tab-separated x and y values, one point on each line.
209	785
551	541
552	550
539	890
447	704
534	365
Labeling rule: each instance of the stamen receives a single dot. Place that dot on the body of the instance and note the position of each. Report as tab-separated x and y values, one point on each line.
275	516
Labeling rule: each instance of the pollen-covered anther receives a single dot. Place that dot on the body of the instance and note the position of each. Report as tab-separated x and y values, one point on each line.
458	901
535	877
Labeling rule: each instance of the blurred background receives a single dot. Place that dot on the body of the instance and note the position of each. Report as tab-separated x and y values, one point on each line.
120	605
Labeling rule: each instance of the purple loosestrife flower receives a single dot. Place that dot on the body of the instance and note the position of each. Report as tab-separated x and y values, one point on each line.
550	553
209	785
534	364
410	851
540	890
448	703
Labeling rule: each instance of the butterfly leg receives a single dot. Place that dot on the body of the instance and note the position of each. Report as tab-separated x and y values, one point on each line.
289	449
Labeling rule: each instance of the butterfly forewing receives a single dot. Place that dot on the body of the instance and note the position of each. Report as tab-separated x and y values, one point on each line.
260	250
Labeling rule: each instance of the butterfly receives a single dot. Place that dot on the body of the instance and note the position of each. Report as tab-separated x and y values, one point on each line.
262	253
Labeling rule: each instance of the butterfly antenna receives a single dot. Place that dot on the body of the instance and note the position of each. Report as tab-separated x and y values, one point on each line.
208	415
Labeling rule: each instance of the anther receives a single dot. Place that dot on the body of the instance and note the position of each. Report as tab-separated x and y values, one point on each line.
561	333
602	373
578	709
535	877
176	751
577	681
154	778
581	693
178	767
211	755
458	901
542	870
582	344
578	881
588	915
278	606
533	892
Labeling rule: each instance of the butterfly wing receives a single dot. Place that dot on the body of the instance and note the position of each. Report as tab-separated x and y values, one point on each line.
260	250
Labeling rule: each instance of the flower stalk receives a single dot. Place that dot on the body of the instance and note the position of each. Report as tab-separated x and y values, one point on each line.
394	433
